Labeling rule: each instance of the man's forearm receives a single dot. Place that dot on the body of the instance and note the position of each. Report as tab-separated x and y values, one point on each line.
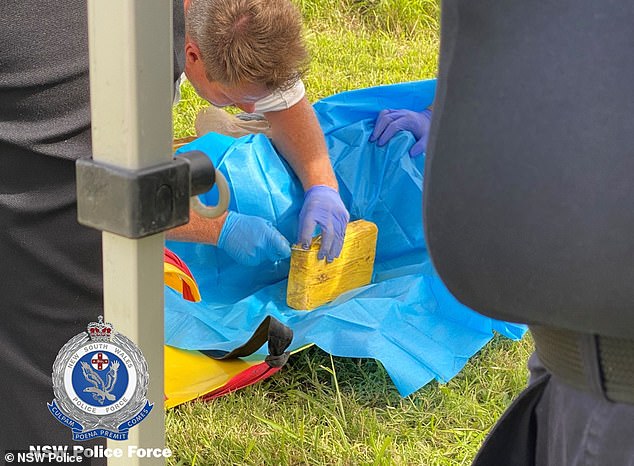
298	137
199	229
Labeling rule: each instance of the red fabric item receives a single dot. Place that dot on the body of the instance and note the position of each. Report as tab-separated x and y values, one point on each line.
171	258
245	378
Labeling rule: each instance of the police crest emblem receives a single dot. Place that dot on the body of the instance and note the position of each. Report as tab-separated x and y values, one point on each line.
100	381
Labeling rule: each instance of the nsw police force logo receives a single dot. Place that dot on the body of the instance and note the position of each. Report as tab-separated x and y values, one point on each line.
100	381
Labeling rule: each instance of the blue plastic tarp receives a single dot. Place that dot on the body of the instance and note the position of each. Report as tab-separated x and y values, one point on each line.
406	318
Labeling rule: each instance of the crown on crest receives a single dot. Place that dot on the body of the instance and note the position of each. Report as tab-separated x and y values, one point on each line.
100	331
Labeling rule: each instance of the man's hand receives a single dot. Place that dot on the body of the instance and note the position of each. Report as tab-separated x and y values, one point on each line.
323	207
252	240
389	122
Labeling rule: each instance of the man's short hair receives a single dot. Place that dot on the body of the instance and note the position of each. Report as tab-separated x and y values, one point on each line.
254	41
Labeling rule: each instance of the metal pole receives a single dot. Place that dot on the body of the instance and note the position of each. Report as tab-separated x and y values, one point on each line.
131	81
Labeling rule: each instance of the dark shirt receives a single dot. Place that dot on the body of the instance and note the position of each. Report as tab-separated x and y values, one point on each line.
529	190
44	84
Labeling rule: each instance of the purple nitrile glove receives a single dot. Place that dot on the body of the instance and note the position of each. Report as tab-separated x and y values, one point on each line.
389	122
251	240
323	207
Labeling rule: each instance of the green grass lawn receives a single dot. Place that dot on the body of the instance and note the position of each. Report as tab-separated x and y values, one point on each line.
321	410
326	411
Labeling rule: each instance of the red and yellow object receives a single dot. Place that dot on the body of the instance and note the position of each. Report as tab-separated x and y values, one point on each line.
191	374
178	276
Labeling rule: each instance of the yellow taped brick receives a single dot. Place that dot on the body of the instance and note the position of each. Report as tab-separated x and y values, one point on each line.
313	282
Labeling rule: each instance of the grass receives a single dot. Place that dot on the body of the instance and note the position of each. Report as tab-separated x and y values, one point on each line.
321	410
338	411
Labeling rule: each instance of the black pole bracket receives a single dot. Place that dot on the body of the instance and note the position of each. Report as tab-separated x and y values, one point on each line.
140	203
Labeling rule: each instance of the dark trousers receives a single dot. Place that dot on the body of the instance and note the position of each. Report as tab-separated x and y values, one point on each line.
50	288
554	424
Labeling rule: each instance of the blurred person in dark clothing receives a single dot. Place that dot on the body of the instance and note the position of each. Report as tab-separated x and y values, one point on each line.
529	211
51	285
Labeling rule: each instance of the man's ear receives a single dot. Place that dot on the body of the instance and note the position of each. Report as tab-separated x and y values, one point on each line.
192	53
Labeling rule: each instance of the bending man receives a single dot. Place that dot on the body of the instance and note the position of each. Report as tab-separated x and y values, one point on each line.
250	54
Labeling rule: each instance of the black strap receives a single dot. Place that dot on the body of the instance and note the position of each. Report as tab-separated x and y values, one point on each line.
272	330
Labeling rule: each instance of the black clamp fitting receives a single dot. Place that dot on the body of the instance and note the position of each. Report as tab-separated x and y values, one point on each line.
139	203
